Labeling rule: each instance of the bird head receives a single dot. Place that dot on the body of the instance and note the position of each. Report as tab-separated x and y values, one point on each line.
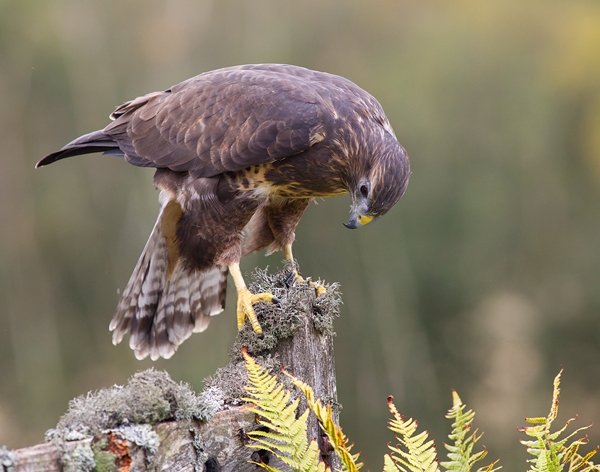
378	184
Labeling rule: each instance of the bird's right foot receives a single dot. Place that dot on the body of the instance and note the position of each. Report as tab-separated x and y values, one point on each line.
245	308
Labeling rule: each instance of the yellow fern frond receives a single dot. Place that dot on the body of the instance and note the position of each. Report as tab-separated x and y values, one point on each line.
577	462
337	439
285	436
414	453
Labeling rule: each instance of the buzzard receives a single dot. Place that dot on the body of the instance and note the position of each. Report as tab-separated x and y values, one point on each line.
239	154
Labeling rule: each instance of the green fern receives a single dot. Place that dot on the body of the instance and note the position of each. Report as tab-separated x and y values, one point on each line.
414	453
286	436
551	454
460	454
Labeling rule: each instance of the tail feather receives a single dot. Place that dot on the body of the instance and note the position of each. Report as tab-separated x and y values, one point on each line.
178	306
95	141
160	311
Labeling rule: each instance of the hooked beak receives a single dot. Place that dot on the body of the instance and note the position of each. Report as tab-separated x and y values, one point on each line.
357	220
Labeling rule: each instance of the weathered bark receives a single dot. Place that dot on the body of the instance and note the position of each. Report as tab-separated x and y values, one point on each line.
297	335
308	355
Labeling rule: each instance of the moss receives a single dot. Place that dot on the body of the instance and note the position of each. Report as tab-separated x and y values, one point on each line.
105	462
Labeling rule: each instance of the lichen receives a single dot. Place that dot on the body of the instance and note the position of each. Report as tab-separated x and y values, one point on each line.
200	448
8	459
148	398
282	320
80	459
143	436
297	300
326	308
227	383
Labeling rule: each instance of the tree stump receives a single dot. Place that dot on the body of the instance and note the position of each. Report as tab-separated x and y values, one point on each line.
155	424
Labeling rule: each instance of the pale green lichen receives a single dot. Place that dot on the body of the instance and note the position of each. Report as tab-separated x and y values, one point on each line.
280	321
297	300
143	436
199	447
8	459
148	398
80	459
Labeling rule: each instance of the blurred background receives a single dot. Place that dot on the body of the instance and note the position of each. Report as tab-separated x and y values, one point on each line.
484	278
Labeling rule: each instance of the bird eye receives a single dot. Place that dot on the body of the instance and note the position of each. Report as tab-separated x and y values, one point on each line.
364	191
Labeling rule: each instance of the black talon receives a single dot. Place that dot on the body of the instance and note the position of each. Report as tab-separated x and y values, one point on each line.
276	301
261	336
289	279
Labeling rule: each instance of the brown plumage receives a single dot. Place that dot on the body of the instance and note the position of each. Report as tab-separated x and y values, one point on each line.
238	150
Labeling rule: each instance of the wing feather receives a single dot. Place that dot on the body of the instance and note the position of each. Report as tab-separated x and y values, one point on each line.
223	120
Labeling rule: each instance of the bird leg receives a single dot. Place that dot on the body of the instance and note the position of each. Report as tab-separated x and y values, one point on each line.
247	299
287	253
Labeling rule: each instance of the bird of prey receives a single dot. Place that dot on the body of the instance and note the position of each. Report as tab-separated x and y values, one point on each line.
239	154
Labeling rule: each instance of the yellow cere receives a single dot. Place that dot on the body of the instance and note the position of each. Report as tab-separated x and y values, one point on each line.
363	220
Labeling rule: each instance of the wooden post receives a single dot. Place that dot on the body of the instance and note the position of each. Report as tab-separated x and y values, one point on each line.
211	436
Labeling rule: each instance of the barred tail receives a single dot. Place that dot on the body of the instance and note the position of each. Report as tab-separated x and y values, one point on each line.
161	306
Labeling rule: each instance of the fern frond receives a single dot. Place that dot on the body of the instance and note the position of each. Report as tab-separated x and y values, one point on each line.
337	439
460	454
286	436
550	453
577	462
389	465
418	453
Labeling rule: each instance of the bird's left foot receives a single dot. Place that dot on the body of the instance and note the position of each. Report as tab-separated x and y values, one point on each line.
245	308
295	276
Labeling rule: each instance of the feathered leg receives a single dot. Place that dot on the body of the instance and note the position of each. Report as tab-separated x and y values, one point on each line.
273	226
287	252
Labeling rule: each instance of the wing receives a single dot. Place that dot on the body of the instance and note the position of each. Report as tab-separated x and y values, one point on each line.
223	120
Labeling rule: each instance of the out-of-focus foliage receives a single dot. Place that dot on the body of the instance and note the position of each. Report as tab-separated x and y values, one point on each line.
497	237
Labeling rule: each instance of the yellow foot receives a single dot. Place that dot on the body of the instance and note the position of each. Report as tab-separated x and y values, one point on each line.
319	289
245	309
